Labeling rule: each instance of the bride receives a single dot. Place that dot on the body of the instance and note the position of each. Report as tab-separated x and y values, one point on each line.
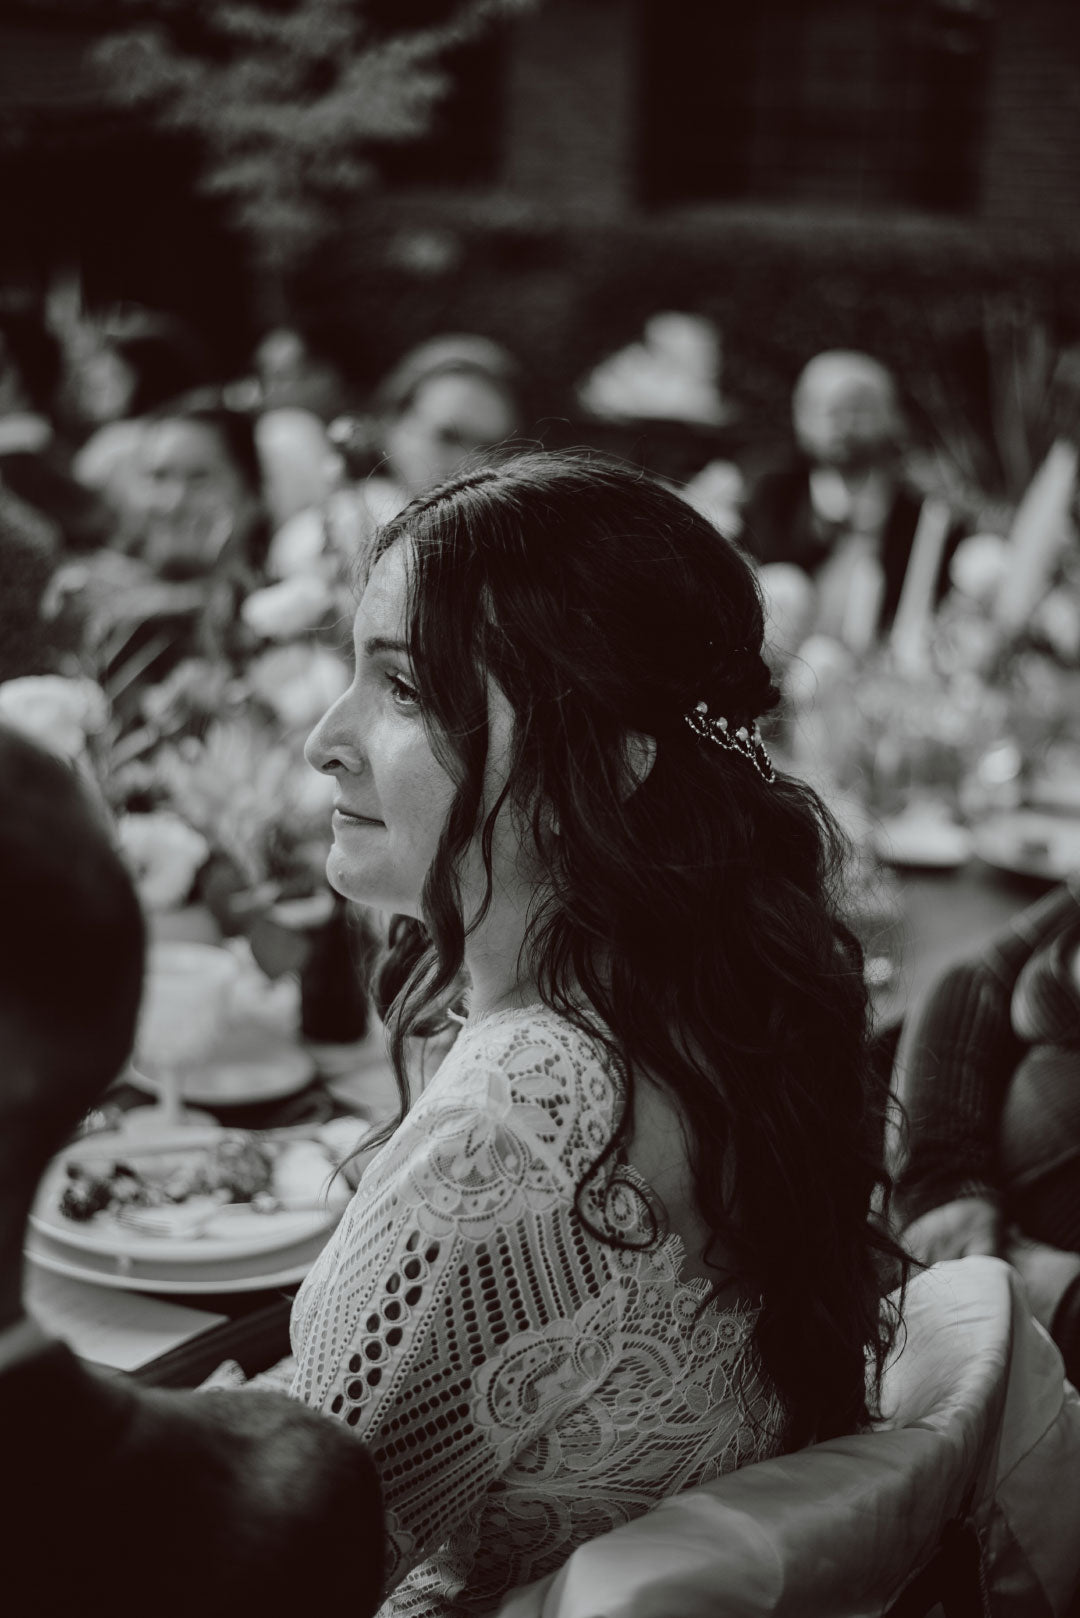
623	1242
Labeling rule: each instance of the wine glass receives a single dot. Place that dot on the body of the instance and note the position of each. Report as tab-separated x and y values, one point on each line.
184	1011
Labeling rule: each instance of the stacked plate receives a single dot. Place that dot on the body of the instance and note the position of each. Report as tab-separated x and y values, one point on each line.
236	1249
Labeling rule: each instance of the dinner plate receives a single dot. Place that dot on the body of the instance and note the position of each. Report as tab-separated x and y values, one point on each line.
234	1233
282	1268
1029	842
251	1063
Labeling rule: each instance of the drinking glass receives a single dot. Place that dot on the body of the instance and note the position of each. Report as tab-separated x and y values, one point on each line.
184	1012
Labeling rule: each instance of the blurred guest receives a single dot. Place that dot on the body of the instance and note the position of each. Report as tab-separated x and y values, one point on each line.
840	509
199	549
267	1490
202	490
32	463
448	399
293	373
135	365
988	1071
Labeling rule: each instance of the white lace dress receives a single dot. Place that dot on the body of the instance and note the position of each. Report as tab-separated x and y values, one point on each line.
522	1385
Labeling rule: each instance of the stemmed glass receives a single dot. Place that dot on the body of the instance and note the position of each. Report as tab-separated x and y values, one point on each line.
184	1011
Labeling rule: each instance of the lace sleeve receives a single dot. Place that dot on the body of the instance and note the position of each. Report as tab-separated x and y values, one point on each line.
462	1308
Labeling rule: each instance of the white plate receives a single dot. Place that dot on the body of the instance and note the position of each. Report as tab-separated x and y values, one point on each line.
279	1269
252	1063
924	841
1030	843
231	1235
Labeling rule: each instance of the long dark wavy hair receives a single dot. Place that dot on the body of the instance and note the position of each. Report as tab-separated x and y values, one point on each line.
690	924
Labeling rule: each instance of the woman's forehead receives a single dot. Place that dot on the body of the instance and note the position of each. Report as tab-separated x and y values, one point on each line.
383	607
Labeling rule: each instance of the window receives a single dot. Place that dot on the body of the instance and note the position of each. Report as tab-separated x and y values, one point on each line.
868	103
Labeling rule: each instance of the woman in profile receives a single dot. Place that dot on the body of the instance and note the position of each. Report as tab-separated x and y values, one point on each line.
623	1241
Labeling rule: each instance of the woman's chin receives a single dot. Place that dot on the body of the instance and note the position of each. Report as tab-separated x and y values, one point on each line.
352	881
344	878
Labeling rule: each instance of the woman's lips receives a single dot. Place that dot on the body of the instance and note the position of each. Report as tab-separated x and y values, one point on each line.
351	819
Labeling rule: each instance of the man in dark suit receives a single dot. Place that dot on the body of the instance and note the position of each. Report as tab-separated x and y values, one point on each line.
840	509
120	1499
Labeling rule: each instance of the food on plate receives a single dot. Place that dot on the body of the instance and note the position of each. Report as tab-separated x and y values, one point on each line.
234	1169
303	1176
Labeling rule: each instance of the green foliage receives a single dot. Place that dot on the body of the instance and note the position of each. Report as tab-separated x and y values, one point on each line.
287	98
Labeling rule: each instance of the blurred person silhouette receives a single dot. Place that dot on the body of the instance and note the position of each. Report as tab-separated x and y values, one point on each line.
29	544
217	1502
33	463
294	371
840	508
446	400
202	499
198	551
133	365
988	1072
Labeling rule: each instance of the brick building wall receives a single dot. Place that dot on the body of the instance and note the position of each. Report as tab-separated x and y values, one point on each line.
572	132
570	106
1031	133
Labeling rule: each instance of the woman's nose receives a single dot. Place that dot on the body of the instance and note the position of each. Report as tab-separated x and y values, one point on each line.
330	748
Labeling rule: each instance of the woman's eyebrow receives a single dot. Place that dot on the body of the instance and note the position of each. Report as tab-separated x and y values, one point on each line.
384	643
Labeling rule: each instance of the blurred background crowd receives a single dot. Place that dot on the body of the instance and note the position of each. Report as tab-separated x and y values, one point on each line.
270	269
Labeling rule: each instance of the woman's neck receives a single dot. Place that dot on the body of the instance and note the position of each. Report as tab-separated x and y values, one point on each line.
499	979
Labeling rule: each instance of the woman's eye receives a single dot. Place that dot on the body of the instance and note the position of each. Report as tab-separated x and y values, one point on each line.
403	694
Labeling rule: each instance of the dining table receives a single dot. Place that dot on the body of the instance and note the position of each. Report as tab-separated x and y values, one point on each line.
177	1341
935	918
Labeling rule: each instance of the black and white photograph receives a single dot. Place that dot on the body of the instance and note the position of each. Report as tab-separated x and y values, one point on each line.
540	808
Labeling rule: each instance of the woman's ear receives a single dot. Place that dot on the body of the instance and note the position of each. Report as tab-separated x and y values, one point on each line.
639	756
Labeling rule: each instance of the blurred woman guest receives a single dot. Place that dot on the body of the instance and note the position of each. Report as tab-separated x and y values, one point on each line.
622	1243
840	509
448	399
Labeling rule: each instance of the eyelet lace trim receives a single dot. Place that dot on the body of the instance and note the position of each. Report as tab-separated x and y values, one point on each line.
522	1385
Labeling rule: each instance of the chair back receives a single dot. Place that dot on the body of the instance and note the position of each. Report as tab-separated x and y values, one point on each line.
965	1499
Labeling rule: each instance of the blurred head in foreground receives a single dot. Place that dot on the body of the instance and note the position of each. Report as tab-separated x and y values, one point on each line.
71	956
846	410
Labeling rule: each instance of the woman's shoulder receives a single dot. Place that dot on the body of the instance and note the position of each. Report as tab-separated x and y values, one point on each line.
537	1052
529	1084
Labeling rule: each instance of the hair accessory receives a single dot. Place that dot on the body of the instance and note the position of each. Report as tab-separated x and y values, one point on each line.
745	740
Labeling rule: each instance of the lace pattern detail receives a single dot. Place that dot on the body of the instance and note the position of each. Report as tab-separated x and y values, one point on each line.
521	1384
